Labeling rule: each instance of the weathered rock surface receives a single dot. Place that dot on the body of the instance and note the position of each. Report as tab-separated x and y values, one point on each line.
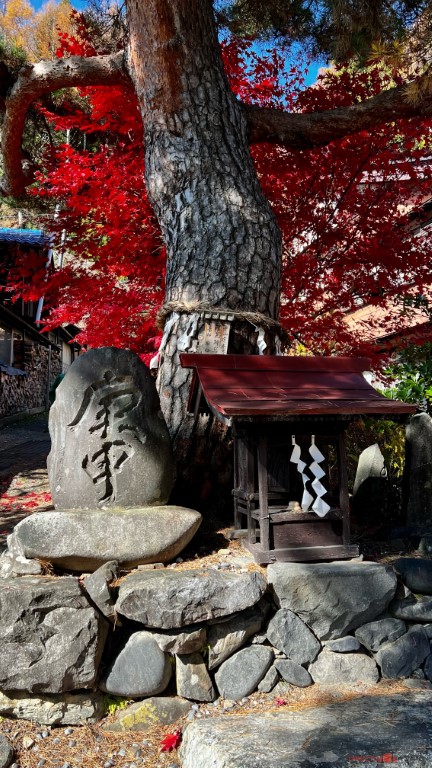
333	598
347	644
97	588
83	540
407	653
51	639
412	609
180	641
416	574
140	669
226	638
193	680
345	668
374	634
240	675
326	736
110	443
418	469
269	680
169	599
143	715
11	565
288	633
54	709
6	752
428	667
293	673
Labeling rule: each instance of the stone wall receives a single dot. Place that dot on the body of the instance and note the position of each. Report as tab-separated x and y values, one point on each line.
213	633
21	394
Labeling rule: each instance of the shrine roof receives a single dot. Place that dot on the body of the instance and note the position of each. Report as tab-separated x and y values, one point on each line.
237	386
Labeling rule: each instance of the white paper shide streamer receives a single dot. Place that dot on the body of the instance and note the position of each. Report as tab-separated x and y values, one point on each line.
301	466
319	506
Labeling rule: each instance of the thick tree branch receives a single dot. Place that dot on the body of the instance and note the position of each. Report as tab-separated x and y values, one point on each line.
34	81
313	129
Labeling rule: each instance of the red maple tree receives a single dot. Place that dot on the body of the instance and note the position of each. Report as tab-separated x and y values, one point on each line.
344	209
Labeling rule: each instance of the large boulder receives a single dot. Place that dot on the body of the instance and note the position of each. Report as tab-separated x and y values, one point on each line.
368	730
418	470
333	598
83	540
51	639
416	574
167	599
240	675
140	669
288	633
404	655
227	637
192	679
343	669
376	633
110	443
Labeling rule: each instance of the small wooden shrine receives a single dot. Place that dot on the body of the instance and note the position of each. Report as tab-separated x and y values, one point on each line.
289	416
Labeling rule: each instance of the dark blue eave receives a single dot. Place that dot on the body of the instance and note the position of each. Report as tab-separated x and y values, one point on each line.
24	236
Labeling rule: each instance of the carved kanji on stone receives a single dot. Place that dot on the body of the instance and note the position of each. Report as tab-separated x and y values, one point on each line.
110	444
114	398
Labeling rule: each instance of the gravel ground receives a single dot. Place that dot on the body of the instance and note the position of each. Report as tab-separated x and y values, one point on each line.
93	747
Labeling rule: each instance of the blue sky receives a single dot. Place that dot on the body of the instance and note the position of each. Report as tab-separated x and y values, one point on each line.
78	4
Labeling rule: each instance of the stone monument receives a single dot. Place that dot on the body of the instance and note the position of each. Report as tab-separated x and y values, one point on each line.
110	471
418	471
110	443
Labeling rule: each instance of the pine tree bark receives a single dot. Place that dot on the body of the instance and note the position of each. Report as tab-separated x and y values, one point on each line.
223	243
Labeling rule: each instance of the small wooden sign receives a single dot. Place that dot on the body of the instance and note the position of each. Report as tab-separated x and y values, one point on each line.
213	337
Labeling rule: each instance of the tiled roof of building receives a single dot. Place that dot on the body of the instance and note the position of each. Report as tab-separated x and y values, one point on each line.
24	236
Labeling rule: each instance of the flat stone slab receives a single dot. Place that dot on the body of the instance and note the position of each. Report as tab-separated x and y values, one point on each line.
166	599
378	729
333	598
53	709
84	540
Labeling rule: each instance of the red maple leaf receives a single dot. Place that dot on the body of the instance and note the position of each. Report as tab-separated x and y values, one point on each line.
171	741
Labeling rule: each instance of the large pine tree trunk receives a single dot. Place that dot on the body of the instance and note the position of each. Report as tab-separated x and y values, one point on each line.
223	243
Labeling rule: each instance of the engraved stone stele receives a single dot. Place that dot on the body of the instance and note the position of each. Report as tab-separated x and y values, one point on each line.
110	442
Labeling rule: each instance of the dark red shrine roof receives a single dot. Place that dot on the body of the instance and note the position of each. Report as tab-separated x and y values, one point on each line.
238	386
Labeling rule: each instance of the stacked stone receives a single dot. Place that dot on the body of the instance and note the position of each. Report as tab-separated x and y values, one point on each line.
185	636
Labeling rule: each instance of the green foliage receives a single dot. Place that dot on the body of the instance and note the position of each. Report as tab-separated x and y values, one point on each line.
410	376
113	703
337	28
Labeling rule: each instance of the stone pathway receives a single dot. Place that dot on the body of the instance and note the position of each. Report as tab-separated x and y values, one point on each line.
24	488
